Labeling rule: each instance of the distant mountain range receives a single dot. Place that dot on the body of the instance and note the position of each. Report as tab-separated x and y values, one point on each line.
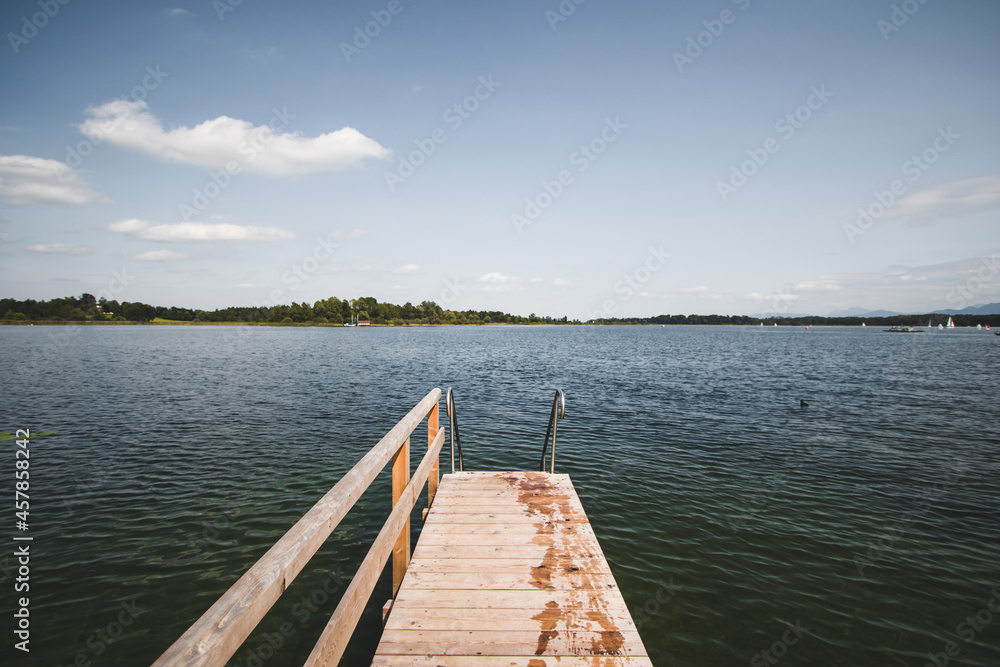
861	312
981	309
764	316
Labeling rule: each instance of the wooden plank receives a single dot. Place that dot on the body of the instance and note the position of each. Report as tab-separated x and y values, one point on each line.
505	661
527	599
500	620
519	642
508	571
435	477
430	564
530	552
220	631
531	577
568	530
401	550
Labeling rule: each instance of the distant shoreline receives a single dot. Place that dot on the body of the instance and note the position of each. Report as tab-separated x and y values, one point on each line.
961	321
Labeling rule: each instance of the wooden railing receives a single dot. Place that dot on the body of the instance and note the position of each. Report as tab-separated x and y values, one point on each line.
218	634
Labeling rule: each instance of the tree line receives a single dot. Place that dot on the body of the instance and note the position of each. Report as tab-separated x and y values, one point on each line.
811	320
86	308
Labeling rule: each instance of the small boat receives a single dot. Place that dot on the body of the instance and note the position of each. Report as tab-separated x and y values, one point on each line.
979	327
950	325
898	329
940	327
863	324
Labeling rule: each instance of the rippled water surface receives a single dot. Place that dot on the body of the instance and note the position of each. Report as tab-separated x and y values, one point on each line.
868	521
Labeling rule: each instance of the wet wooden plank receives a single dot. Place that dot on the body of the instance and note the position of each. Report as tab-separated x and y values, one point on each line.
505	661
508	571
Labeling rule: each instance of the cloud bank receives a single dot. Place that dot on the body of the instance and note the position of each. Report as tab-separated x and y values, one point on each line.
197	231
964	197
218	143
33	180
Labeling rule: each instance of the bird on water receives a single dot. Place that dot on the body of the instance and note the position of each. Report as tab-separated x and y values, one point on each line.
803	404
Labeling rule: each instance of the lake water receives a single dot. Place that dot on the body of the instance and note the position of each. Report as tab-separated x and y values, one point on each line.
868	522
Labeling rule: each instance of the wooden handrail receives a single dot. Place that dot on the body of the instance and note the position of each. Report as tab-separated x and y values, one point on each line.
221	630
338	631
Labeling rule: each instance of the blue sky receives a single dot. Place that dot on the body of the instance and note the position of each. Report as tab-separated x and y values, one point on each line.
591	159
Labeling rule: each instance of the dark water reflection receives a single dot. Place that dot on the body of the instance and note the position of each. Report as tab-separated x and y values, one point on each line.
728	512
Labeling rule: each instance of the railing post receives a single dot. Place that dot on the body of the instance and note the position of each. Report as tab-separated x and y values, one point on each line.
432	431
401	550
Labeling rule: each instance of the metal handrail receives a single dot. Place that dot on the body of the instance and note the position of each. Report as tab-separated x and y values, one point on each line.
456	440
558	412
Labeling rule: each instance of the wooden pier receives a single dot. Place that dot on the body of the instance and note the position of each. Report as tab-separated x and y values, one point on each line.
507	570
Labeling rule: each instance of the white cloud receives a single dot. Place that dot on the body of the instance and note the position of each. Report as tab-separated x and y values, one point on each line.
559	282
198	231
498	282
59	248
700	289
33	180
159	256
177	11
223	140
496	278
824	284
409	268
963	197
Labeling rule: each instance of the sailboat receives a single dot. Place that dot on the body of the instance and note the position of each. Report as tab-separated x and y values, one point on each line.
950	325
940	327
863	324
979	327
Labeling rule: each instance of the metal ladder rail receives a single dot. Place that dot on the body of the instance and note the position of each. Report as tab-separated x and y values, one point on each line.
456	440
558	412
